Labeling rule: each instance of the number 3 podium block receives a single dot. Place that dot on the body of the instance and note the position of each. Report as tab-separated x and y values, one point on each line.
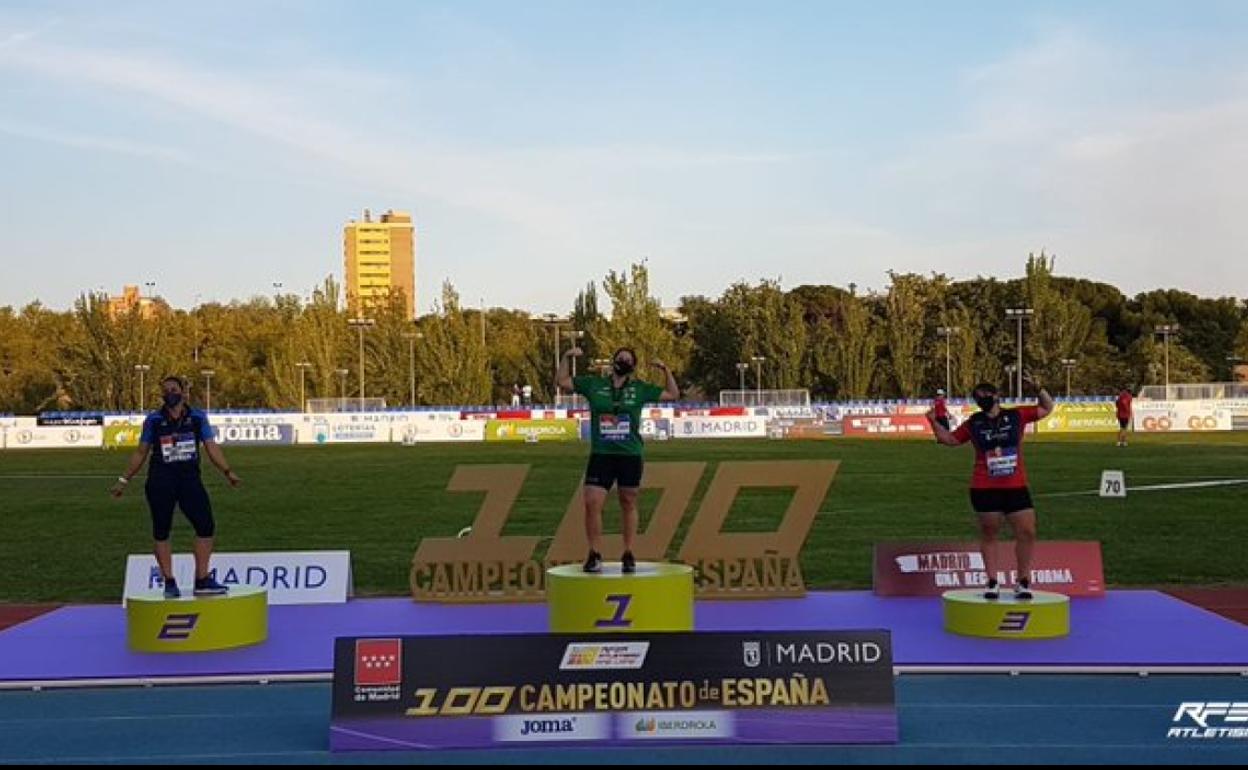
157	624
658	597
968	613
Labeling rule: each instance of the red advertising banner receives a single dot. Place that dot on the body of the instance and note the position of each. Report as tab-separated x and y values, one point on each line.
930	569
887	426
715	411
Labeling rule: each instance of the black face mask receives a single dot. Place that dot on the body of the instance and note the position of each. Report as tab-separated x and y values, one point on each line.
986	403
173	399
623	368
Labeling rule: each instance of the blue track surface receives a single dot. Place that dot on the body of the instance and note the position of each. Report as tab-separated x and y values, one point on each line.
944	719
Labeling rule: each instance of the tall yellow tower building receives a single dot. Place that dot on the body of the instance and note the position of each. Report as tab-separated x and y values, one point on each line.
380	260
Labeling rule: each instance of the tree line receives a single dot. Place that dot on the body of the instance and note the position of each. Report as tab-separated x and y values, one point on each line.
900	342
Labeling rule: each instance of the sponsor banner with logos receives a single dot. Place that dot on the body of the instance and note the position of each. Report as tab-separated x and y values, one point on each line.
69	420
532	431
804	428
122	436
658	429
486	691
54	437
361	428
714	411
1097	417
887	426
314	577
719	427
930	569
419	431
1181	416
258	434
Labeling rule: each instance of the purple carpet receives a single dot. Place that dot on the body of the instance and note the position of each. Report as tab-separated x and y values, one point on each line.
1126	628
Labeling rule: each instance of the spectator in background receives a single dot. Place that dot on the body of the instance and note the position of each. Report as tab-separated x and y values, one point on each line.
1123	405
515	395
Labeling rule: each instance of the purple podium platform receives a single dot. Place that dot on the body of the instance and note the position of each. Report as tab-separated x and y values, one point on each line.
1126	631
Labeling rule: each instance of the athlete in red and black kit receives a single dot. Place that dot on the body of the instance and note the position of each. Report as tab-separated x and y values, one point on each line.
941	408
999	484
1123	406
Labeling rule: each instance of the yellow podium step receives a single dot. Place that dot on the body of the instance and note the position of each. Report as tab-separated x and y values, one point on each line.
192	624
968	613
658	597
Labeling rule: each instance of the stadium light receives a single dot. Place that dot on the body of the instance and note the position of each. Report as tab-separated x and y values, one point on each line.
947	332
142	369
576	337
1069	363
1019	314
1167	331
758	382
360	324
411	338
303	370
208	374
342	378
742	368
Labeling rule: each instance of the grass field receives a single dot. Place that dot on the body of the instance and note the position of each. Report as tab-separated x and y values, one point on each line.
64	539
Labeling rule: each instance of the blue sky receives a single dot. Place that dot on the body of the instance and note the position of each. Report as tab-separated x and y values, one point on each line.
216	148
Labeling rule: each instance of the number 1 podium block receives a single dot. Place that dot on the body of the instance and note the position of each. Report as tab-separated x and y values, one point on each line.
658	597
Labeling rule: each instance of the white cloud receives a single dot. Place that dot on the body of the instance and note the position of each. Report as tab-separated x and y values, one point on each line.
91	142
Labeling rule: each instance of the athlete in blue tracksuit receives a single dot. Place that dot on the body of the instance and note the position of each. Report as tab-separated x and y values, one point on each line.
176	433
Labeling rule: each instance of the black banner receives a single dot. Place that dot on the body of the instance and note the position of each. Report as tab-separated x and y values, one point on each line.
481	691
64	420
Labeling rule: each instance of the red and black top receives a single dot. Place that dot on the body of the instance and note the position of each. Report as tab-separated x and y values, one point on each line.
1123	403
998	447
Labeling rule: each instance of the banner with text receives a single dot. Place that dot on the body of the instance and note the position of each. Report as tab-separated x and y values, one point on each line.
54	437
765	687
887	426
532	431
122	436
258	434
311	577
719	427
419	431
930	569
1181	416
1096	417
341	429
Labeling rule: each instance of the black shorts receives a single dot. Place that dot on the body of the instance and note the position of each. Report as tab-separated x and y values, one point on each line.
164	493
1005	501
1123	422
606	471
943	422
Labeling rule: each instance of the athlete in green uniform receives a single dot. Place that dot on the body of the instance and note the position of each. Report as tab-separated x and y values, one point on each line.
615	405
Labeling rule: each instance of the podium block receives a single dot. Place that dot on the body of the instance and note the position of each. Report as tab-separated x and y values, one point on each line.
197	624
968	613
657	597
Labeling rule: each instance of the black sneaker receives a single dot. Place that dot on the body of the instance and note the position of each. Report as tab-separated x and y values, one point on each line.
593	564
628	564
171	589
1022	591
210	587
993	593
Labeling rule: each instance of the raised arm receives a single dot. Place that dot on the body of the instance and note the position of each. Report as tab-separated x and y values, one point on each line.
563	378
1042	395
943	435
671	389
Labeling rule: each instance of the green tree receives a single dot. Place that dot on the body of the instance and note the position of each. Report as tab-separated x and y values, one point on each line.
636	321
